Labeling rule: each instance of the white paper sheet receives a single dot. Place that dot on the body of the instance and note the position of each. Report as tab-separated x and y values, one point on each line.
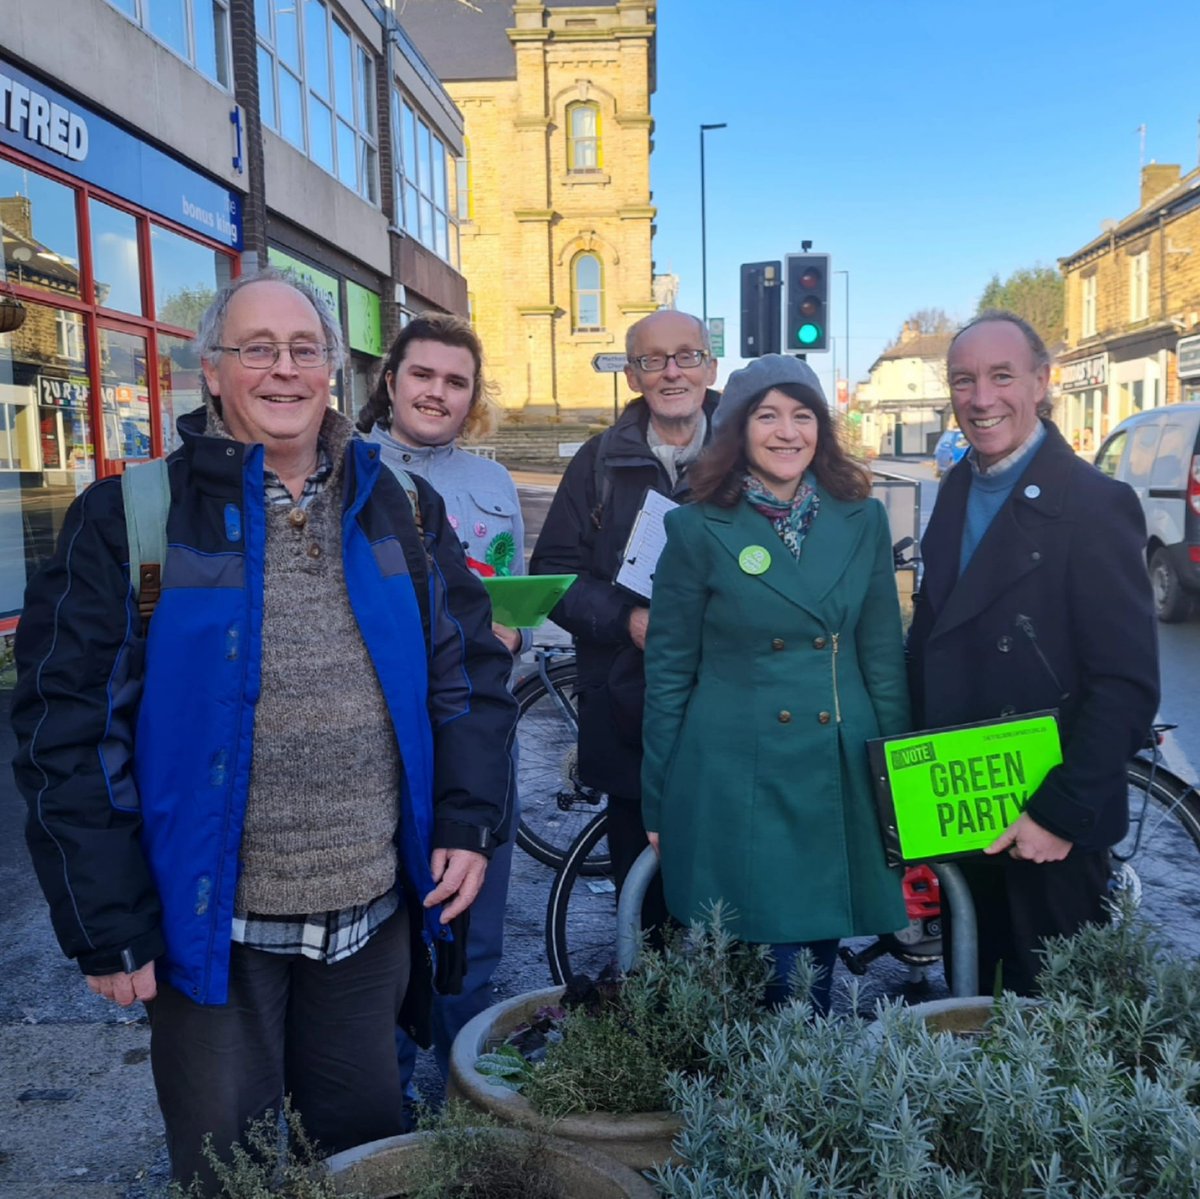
646	541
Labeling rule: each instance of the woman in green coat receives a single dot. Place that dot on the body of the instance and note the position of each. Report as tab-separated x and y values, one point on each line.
774	653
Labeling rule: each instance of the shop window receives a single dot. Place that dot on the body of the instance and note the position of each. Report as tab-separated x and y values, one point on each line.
178	384
45	444
124	395
1089	307
583	136
317	90
422	194
37	221
1139	286
196	30
587	294
186	277
116	262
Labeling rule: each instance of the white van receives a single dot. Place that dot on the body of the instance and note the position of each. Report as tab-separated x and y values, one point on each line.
1158	454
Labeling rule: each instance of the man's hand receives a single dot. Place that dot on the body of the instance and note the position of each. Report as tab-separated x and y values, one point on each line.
1027	841
125	988
458	873
653	839
639	619
511	638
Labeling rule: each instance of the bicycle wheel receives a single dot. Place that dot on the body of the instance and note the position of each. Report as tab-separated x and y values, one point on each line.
1163	849
554	807
581	916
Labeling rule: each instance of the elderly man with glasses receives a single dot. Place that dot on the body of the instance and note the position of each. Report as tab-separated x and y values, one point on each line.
660	433
259	811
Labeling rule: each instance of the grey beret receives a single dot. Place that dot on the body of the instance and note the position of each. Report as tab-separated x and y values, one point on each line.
771	370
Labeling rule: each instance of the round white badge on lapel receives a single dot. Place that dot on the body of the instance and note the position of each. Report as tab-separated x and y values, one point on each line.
754	559
1032	491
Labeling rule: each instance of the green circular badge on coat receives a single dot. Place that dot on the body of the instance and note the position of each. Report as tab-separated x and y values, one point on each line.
754	559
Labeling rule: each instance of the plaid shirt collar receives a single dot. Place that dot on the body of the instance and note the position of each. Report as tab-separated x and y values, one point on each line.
277	493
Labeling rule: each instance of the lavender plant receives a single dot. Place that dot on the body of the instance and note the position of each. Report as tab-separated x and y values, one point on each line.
1090	1095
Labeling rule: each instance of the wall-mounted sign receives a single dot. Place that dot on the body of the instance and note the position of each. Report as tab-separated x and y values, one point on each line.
46	125
1187	356
365	324
1084	374
327	285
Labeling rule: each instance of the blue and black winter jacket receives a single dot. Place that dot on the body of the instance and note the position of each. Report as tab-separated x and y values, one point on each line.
134	752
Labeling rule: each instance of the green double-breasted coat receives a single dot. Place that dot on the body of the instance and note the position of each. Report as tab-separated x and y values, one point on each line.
762	691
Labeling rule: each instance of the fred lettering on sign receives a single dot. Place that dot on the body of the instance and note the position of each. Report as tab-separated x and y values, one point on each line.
945	793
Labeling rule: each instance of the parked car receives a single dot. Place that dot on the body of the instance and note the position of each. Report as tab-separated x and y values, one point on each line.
1158	454
951	446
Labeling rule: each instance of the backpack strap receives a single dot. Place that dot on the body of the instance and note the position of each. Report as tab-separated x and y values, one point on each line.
602	483
418	563
146	493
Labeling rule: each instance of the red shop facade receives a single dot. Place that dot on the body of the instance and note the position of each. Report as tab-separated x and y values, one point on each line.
114	249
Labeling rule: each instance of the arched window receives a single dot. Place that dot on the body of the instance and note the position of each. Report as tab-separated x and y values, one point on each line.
583	136
587	294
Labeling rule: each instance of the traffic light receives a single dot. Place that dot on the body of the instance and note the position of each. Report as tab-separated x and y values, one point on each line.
761	306
807	325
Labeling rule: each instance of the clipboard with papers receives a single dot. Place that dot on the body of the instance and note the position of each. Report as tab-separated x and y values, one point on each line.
646	540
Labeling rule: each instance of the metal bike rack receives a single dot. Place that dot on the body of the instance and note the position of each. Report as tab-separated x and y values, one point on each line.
629	908
964	934
955	894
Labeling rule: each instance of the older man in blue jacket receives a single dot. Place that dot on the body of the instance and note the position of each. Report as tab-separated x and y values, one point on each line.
258	814
1035	595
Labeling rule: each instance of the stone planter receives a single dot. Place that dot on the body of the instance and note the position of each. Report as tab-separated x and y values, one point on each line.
383	1169
641	1140
964	1017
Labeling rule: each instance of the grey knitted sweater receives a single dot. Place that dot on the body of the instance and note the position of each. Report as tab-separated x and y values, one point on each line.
324	787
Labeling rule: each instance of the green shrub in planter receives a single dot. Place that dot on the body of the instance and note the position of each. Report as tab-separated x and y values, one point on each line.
1090	1095
619	1043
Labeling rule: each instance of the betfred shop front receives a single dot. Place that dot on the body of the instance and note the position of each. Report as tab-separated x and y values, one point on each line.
114	249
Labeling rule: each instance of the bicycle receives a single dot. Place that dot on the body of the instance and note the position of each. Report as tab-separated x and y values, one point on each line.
555	805
1158	862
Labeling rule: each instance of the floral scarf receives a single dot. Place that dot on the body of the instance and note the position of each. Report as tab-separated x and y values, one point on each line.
791	518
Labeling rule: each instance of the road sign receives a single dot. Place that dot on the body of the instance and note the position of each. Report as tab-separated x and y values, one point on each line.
608	363
716	335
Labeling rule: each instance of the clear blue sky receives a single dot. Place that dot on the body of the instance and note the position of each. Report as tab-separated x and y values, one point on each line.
925	145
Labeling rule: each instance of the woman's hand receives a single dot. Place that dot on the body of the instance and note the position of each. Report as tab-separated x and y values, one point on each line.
511	638
653	839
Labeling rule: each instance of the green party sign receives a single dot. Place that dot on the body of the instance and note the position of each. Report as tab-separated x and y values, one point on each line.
944	793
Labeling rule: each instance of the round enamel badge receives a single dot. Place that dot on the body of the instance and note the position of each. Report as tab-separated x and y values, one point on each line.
754	559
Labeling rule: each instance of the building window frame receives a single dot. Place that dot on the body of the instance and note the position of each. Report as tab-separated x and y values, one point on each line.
1139	286
1088	320
585	144
583	291
422	165
140	13
325	68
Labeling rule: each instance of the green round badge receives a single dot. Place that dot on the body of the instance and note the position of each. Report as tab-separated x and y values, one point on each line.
754	559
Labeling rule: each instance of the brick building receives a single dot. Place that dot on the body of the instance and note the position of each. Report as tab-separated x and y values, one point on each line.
1133	311
151	151
553	195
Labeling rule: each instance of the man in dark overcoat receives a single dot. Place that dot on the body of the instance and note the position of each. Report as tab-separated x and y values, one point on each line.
1035	595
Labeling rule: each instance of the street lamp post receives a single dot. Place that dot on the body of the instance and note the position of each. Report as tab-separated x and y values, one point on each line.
847	353
703	230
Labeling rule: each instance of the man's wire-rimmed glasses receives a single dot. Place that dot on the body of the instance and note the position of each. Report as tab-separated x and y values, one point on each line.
262	355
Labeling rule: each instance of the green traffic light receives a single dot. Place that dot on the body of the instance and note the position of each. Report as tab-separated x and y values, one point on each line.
808	335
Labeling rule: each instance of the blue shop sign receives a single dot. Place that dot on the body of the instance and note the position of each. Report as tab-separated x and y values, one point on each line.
43	123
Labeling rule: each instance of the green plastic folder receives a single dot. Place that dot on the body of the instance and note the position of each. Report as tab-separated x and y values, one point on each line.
524	601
